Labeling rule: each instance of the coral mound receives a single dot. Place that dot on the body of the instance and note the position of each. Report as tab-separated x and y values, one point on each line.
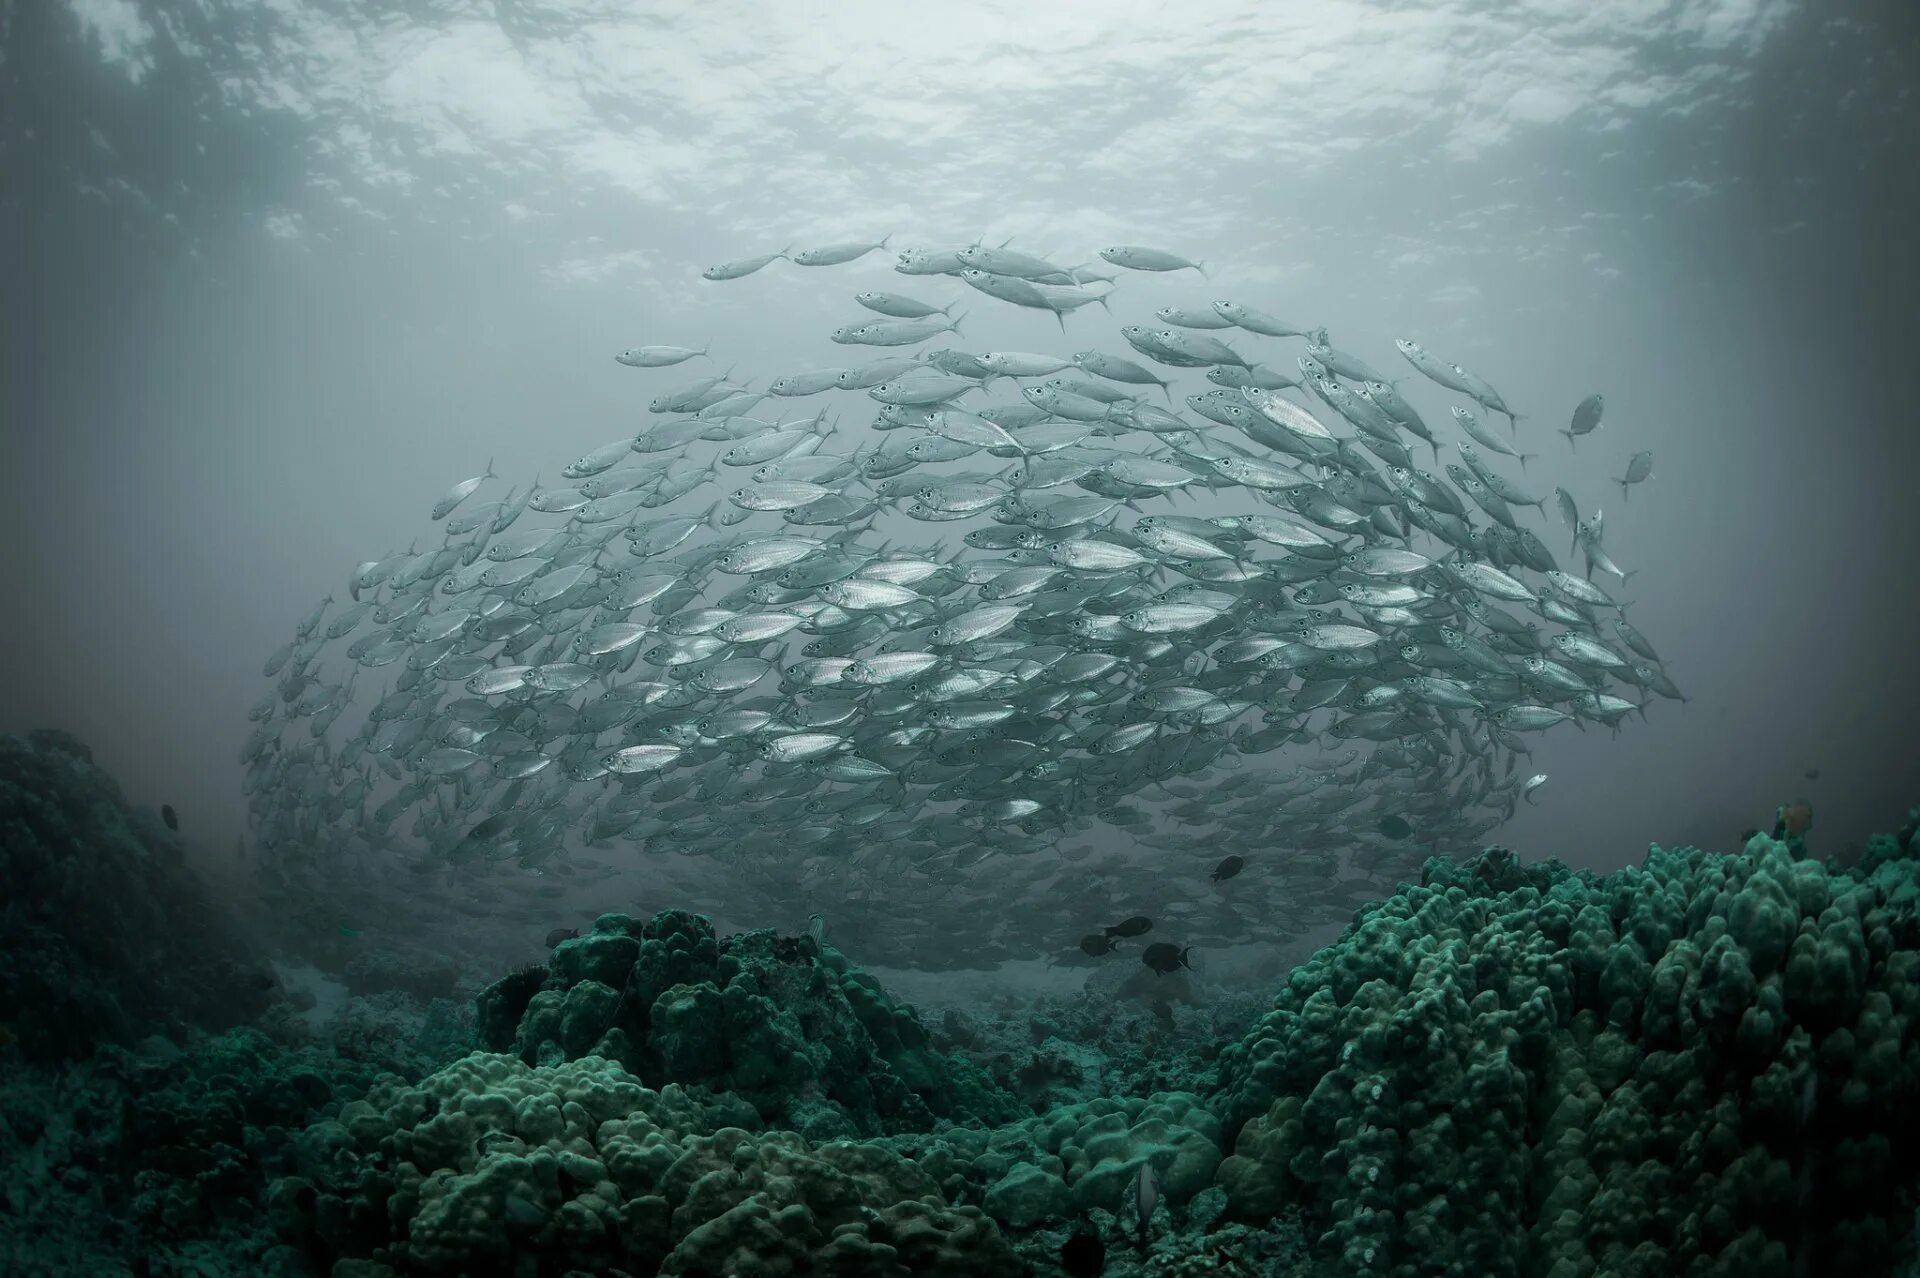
492	1166
105	935
1697	1066
808	1040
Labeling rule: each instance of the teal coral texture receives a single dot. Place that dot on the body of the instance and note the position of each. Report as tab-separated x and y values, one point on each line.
1698	1066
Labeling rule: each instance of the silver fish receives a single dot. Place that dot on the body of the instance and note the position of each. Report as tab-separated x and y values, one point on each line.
743	266
657	356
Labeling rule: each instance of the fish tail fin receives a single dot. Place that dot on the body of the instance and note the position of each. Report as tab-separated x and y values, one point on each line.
1166	388
1624	486
955	325
1059	319
885	240
489	474
1202	268
1102	299
1570	438
1524	457
704	349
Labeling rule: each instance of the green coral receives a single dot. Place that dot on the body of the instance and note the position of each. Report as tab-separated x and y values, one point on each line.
811	1042
1690	1067
581	1165
1076	1158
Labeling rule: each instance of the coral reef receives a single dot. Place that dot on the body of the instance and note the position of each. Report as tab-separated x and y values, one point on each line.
494	1166
810	1041
105	935
1700	1065
1695	1066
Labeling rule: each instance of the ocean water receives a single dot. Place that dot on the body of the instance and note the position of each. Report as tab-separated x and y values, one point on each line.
828	640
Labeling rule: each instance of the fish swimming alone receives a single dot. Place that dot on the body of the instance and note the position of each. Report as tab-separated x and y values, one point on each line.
1639	470
1586	418
1165	957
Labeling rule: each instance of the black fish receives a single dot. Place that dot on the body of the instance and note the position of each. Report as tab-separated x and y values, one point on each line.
1395	827
1131	927
1228	868
560	934
172	818
1083	1255
1165	957
1093	945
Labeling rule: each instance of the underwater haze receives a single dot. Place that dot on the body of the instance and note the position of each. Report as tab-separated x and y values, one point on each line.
1027	503
279	275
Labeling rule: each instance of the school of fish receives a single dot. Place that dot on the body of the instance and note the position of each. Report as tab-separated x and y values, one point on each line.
894	671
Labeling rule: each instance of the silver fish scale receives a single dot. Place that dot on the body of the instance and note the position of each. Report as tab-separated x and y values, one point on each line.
906	656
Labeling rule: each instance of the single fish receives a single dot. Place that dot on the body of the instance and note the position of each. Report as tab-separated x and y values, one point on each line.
657	356
742	266
1255	321
460	492
1586	418
895	332
1166	958
1639	470
1135	258
836	254
897	306
1146	1196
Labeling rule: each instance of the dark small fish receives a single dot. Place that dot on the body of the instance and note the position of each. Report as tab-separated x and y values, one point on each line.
1395	827
1165	957
1813	774
1131	927
1093	945
1228	868
1746	835
1586	418
1083	1255
1795	818
171	817
560	934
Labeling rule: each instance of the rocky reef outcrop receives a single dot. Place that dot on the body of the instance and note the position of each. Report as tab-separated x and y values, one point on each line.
105	935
